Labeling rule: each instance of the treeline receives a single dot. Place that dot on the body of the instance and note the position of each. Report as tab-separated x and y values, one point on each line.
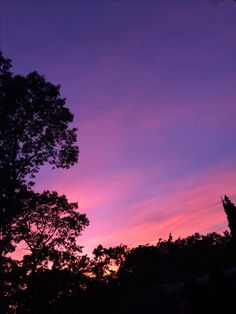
192	275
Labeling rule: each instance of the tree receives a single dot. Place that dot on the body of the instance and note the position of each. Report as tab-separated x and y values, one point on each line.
34	130
48	229
107	262
230	210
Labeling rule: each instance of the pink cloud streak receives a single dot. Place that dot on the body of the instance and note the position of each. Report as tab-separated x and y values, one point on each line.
195	208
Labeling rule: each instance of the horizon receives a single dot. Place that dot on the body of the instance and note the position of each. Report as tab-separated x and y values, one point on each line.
153	95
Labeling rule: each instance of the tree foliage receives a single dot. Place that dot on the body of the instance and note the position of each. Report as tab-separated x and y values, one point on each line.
48	229
230	210
34	130
107	261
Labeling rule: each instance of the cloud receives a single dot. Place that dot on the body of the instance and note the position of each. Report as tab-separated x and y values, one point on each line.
195	207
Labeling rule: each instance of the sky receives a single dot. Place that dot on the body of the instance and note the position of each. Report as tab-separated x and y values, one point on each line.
151	85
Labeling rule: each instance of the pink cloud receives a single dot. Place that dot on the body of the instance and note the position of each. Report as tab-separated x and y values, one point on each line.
196	207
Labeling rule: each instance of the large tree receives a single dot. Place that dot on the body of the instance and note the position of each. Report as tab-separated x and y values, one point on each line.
34	130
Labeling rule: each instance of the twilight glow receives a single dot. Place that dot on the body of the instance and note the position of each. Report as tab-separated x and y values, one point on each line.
152	88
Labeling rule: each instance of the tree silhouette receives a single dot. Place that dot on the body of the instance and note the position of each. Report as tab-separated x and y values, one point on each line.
230	210
34	130
107	262
49	228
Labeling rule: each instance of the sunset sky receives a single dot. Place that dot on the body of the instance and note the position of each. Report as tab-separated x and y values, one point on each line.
152	85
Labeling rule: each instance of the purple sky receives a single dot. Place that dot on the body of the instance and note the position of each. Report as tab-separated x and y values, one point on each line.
152	88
